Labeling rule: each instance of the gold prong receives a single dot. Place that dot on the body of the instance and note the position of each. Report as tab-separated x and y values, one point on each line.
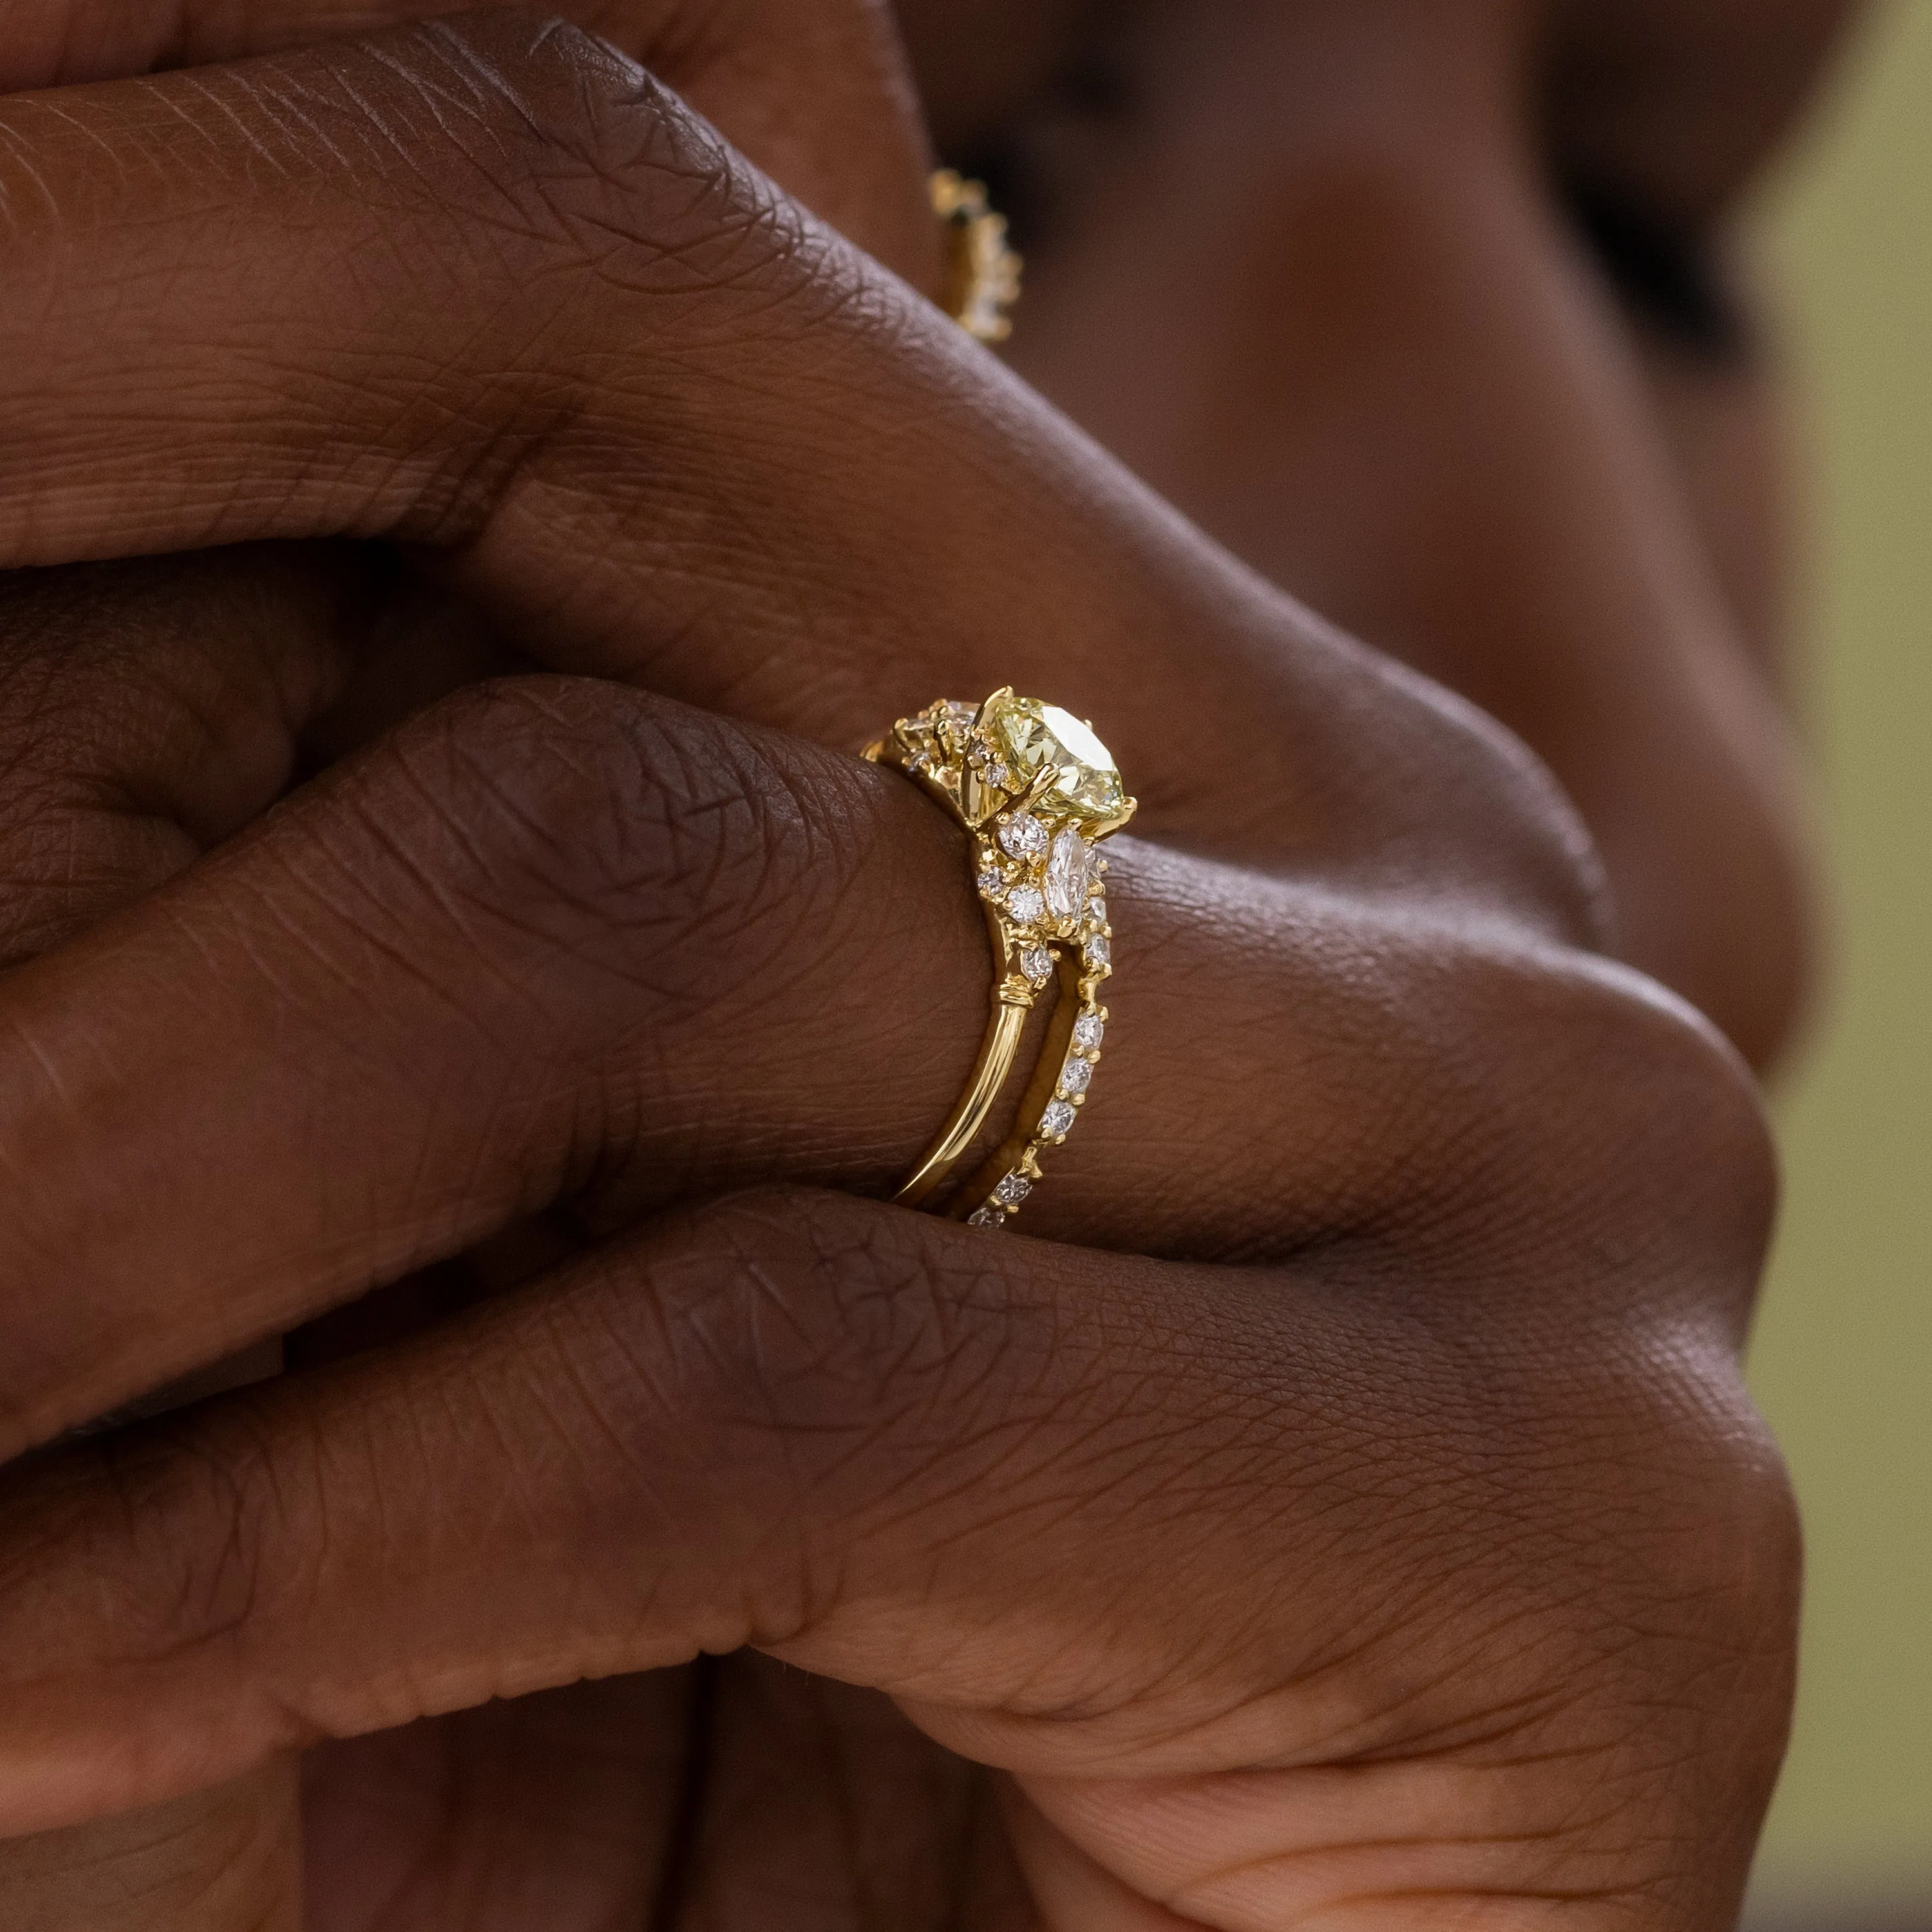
1044	781
979	717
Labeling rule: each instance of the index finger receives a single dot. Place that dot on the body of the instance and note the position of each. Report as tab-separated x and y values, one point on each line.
484	287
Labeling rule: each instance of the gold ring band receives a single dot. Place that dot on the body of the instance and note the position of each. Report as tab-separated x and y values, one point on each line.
1037	790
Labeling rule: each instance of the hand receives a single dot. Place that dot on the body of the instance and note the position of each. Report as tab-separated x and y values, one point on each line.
519	917
124	758
726	454
815	91
1459	1486
1335	280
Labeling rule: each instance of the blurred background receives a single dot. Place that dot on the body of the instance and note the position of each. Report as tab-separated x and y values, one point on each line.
1843	1360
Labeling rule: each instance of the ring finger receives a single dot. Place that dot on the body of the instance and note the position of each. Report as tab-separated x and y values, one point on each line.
562	941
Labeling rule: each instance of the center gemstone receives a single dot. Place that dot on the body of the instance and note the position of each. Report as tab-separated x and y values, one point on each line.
1032	735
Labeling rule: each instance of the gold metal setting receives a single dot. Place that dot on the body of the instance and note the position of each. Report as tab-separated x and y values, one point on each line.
1037	791
983	273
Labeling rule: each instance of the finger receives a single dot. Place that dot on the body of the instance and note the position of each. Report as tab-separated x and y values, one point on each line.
891	1453
563	942
487	289
149	709
815	91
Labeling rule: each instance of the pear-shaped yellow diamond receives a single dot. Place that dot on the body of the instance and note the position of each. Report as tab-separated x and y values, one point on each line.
1030	735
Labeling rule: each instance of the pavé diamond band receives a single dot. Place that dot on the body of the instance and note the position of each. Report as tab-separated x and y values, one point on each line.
1037	790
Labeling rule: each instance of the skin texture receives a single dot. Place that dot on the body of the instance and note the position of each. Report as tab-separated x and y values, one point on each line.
1467	1475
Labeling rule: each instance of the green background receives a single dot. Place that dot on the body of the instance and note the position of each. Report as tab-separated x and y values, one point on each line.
1844	1354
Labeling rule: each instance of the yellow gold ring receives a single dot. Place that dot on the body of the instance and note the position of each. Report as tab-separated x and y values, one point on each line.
1037	791
983	273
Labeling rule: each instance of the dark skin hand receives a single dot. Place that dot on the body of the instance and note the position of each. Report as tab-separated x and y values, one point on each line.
1424	894
1305	268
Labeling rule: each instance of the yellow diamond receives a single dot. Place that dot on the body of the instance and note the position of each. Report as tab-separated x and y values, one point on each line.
1031	735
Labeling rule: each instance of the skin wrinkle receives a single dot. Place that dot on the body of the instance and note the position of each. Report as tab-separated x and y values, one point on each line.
1196	1897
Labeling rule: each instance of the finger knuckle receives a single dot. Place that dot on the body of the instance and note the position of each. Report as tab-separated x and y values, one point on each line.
842	1314
183	1516
1692	1574
627	830
571	155
1657	1630
542	184
836	1360
1555	1117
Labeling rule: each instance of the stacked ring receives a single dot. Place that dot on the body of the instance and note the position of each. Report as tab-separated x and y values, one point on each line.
1037	791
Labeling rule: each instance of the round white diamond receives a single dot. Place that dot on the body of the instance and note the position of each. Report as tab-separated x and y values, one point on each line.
989	766
987	1217
1012	1191
1076	1076
1098	952
1069	869
1089	1030
1097	910
1024	836
1057	1121
1025	905
1037	963
992	883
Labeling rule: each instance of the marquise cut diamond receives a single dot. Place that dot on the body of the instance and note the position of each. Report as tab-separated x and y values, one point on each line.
1037	963
1069	869
1089	1030
1076	1076
1057	1121
1012	1191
